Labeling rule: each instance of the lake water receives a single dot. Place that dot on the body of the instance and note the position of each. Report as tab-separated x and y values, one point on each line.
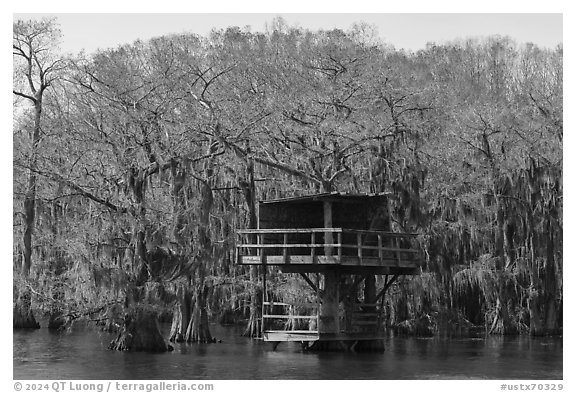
81	354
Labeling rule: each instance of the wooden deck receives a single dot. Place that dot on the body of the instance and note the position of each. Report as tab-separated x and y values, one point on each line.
311	249
290	335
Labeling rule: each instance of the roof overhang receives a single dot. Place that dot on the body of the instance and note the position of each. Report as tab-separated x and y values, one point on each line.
327	197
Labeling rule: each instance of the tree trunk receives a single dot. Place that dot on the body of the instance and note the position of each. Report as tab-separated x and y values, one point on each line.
501	321
140	332
508	244
29	217
551	316
496	326
198	329
56	320
254	327
23	317
536	328
248	186
550	286
181	317
30	198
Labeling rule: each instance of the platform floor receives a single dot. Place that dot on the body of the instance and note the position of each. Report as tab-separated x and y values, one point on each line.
306	335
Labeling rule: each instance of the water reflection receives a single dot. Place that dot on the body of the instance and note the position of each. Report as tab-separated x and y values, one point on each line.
81	354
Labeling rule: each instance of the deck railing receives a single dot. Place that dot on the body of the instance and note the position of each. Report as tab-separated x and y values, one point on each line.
320	241
288	309
276	315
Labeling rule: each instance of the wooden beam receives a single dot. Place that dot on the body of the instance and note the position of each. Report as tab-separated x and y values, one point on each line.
282	245
331	229
305	277
296	304
300	230
387	284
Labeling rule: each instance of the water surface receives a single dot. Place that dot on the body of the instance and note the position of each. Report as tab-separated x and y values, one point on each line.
81	354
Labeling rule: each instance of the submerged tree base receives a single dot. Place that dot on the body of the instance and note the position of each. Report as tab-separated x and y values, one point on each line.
23	320
56	320
421	326
254	327
23	317
140	332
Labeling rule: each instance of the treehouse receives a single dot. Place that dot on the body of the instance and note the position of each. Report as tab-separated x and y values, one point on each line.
338	243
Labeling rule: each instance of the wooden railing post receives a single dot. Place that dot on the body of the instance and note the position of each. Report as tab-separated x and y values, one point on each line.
398	261
261	239
285	249
359	246
339	246
264	297
373	248
313	248
318	299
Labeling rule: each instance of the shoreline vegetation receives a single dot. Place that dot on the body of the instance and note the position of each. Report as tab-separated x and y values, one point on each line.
134	166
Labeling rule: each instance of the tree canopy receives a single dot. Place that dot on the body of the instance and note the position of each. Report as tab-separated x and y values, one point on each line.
141	162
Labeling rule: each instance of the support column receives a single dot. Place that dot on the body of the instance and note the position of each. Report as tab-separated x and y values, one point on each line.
328	236
370	290
329	320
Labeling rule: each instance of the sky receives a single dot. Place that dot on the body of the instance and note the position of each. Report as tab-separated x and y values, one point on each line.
410	31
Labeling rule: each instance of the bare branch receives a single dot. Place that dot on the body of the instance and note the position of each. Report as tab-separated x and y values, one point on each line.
25	96
68	183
